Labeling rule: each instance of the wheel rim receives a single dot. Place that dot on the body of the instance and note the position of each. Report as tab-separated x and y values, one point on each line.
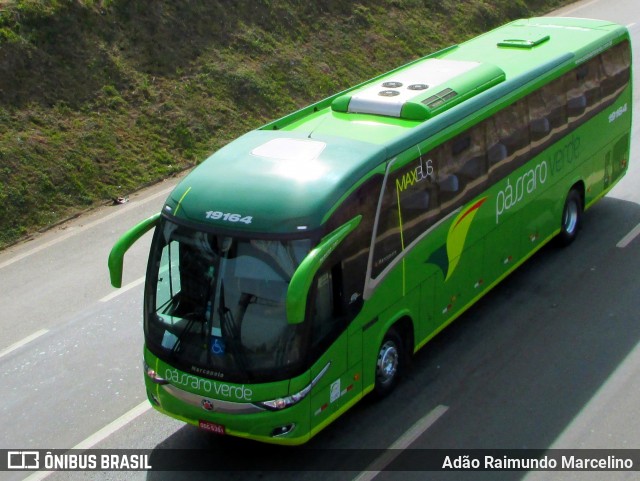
570	220
387	366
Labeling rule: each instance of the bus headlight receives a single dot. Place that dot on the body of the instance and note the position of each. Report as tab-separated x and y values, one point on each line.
151	374
285	402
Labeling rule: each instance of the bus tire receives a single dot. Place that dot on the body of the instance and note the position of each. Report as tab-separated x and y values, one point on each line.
571	218
389	363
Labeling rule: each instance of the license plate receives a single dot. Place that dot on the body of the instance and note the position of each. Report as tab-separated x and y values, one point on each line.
212	427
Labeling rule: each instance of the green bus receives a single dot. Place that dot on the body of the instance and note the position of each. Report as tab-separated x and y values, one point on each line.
298	268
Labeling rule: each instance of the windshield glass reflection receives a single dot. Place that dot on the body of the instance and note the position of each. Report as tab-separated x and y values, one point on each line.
216	304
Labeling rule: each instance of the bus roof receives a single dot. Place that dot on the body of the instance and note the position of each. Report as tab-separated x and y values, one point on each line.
287	176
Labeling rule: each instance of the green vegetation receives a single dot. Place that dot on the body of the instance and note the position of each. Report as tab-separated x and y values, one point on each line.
101	97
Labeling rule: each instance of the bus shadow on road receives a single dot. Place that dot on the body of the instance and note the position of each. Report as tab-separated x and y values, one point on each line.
524	368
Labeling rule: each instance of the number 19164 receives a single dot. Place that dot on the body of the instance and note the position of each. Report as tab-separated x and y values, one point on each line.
228	217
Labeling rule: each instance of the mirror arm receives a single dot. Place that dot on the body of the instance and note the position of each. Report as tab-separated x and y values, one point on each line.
116	257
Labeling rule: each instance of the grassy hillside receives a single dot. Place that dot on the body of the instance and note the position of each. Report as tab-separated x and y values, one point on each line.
101	97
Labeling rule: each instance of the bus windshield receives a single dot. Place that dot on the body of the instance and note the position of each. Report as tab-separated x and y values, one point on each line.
215	304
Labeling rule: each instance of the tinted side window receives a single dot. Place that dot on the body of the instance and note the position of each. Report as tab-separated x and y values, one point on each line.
616	65
387	243
353	253
508	139
420	201
424	190
326	323
590	76
583	89
409	205
547	115
462	168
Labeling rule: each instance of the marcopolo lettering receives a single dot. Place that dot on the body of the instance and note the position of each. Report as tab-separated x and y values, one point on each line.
221	390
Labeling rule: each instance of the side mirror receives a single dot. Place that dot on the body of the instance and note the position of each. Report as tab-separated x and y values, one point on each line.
302	278
116	257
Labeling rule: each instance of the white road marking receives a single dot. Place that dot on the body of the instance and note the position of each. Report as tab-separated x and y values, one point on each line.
122	290
114	426
626	240
403	442
579	7
23	342
101	435
83	228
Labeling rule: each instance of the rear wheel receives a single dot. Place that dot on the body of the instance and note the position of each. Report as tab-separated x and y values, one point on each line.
571	218
389	363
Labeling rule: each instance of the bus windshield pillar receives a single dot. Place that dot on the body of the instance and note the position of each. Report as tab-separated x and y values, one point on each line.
300	284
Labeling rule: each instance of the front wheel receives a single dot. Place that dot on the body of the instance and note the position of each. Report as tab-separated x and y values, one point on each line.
389	363
571	218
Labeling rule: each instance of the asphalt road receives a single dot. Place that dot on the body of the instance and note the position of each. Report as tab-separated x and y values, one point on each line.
549	359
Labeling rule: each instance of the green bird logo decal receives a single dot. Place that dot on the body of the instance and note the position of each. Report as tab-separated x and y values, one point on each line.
448	255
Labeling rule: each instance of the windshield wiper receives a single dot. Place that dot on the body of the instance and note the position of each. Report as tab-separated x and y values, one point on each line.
231	332
186	329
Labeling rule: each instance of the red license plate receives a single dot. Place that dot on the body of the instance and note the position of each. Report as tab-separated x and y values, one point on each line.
212	427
